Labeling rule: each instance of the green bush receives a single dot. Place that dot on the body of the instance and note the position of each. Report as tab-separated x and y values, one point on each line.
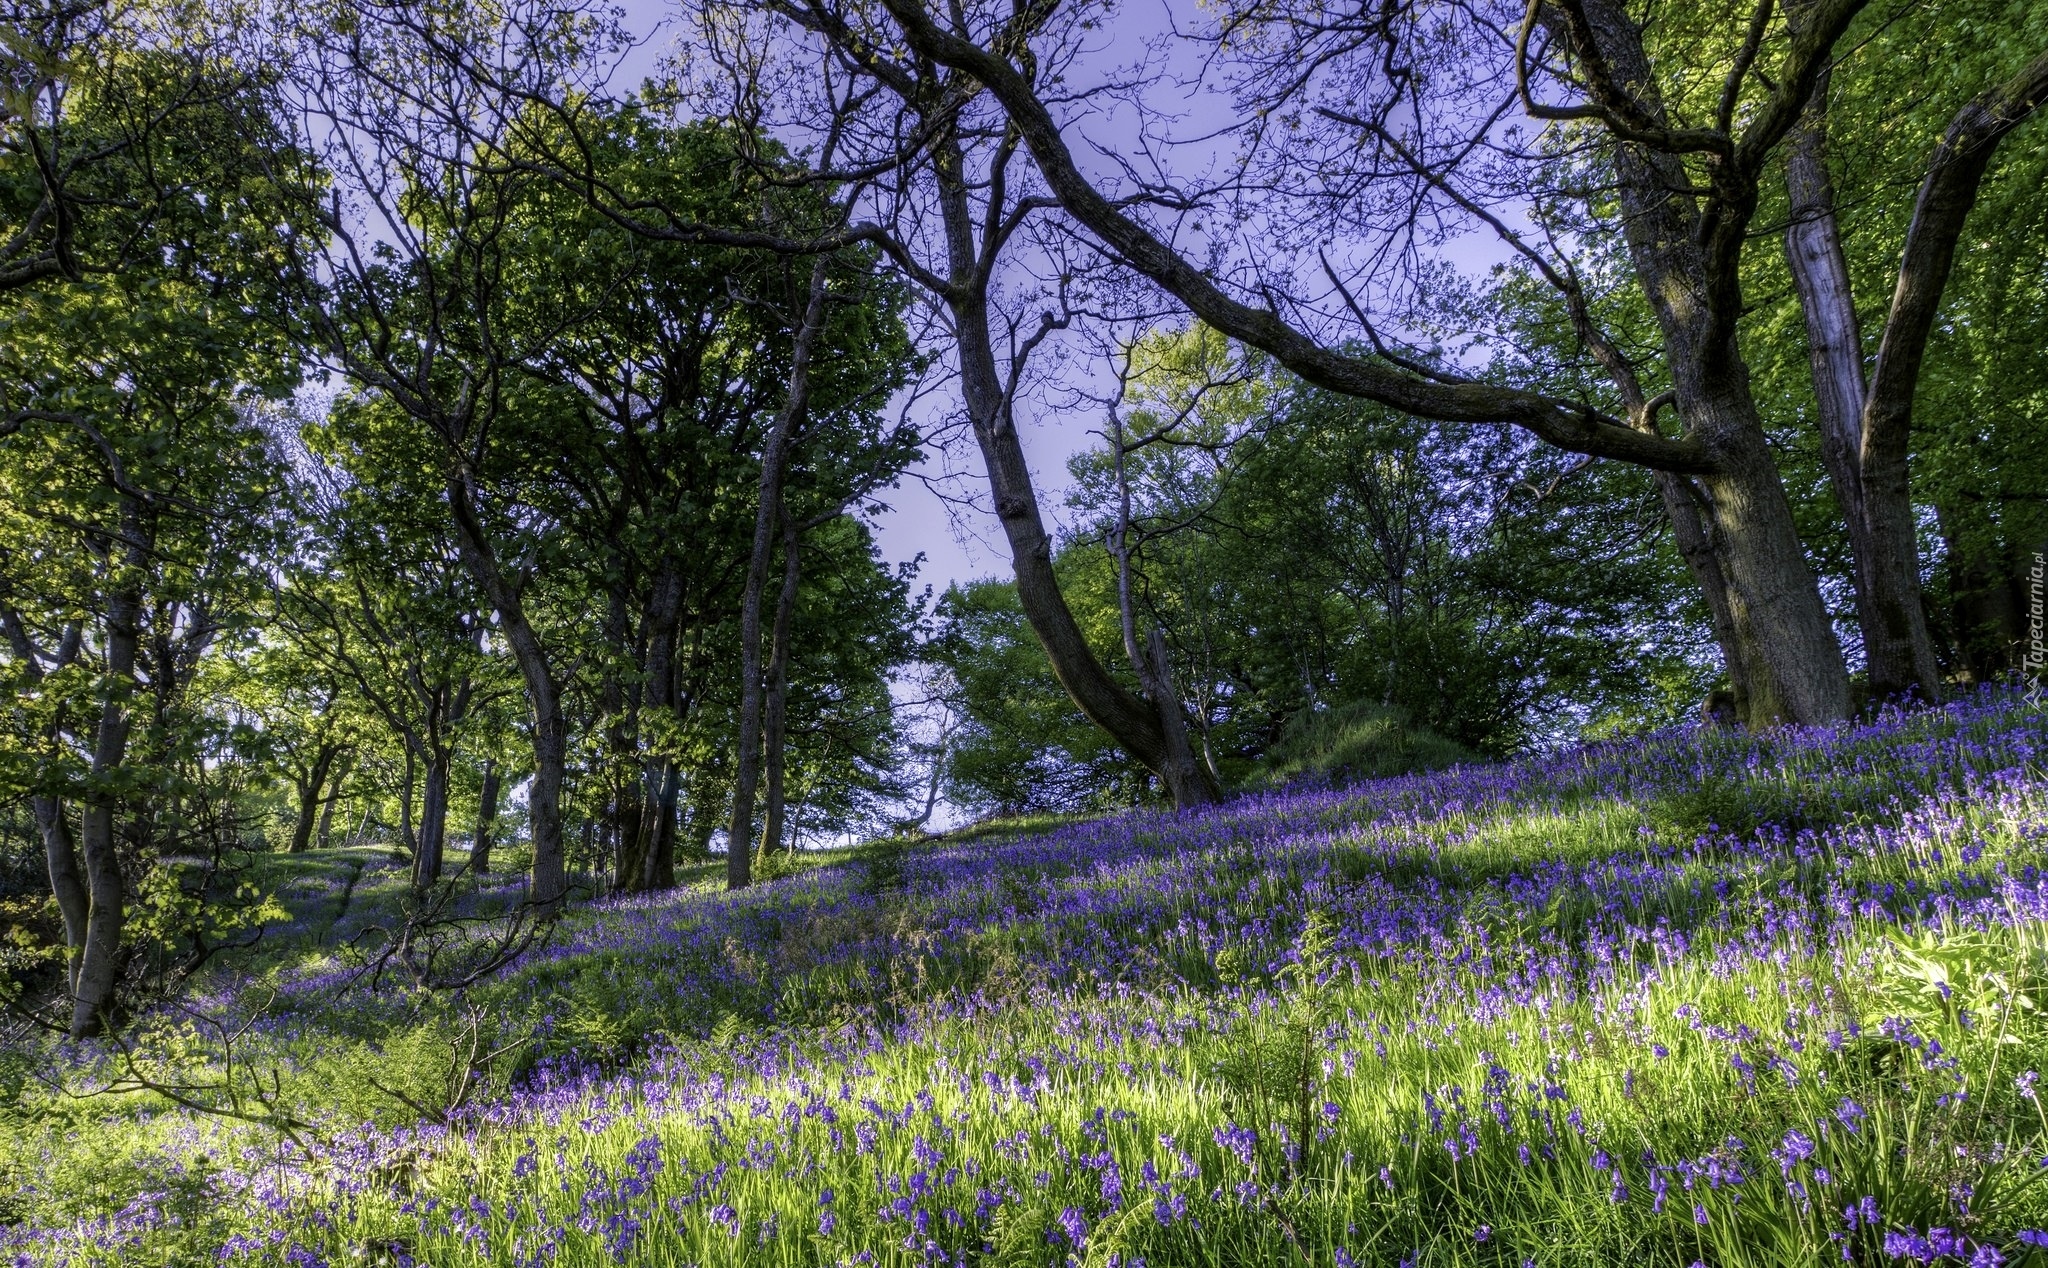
1360	740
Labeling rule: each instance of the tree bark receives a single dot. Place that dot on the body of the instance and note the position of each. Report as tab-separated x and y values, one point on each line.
663	872
1897	646
486	818
1682	504
548	881
310	790
330	797
1685	268
99	969
776	710
60	850
428	858
774	457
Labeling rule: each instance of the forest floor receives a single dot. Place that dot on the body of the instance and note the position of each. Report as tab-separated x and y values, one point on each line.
1705	997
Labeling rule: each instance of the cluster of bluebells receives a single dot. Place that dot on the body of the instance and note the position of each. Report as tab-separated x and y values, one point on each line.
927	1122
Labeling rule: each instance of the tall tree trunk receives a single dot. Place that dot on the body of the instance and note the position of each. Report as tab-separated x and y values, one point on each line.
1782	630
1133	723
427	860
548	881
60	851
1683	505
776	709
1187	780
663	875
310	790
406	783
774	457
1898	649
330	797
486	818
99	969
640	856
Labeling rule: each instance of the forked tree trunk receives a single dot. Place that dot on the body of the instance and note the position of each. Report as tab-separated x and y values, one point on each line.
548	882
1898	648
1867	426
310	790
99	969
330	797
1776	618
1133	723
774	457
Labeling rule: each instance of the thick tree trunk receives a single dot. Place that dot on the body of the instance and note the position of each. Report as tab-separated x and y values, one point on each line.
330	797
1783	634
1683	503
99	968
427	860
1782	628
548	882
1898	649
775	718
486	818
310	790
663	872
774	457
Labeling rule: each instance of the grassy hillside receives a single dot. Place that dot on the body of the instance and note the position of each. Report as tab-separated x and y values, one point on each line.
1702	998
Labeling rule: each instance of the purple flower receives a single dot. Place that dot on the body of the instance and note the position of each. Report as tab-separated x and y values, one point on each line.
1238	1140
1074	1224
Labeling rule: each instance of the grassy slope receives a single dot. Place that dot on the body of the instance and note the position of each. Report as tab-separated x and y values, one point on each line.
1681	1000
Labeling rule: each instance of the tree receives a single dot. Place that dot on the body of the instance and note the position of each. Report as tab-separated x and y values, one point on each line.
141	494
1368	146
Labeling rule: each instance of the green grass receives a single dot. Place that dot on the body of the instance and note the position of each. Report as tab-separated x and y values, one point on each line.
1654	969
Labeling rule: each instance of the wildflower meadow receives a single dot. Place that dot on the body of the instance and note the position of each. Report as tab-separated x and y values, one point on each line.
1703	998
